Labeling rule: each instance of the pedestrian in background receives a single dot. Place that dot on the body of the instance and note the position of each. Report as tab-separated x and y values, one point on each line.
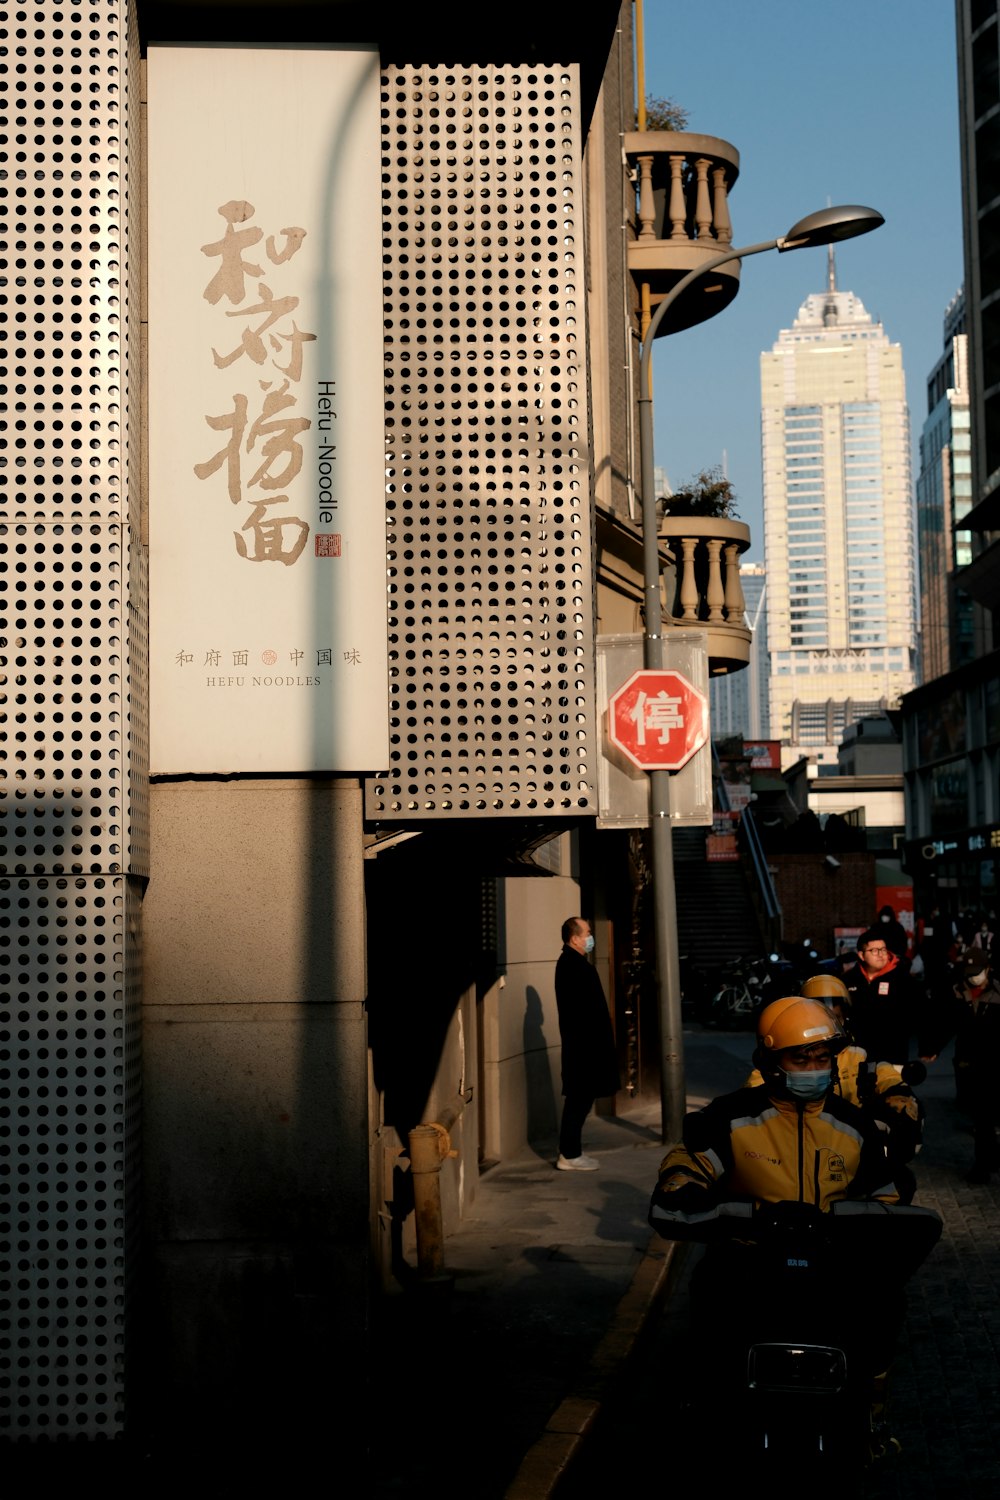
973	1019
886	1006
984	937
589	1059
935	940
893	932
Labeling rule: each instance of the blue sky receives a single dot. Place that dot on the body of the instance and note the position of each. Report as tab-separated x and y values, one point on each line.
851	102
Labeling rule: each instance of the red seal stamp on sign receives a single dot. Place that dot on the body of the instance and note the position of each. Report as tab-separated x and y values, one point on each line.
328	544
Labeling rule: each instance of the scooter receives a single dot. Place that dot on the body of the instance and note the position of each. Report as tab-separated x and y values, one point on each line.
798	1312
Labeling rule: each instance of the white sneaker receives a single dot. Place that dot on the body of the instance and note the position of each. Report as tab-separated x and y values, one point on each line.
577	1164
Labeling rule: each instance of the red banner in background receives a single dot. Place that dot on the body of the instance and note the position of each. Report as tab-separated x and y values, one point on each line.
721	843
900	898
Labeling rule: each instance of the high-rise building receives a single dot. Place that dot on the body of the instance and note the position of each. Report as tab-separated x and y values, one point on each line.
944	499
739	700
978	35
838	521
951	723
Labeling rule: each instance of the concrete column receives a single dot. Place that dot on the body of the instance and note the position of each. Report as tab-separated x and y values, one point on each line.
255	1108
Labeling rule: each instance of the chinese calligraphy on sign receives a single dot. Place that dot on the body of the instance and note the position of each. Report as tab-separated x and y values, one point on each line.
658	714
271	533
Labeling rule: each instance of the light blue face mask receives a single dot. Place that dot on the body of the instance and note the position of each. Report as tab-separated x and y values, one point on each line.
812	1085
588	943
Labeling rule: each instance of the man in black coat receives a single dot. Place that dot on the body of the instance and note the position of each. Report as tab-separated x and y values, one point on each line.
589	1060
885	1005
893	932
972	1017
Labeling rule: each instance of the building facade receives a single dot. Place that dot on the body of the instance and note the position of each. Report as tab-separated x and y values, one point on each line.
951	744
978	38
838	521
951	723
944	499
244	972
739	700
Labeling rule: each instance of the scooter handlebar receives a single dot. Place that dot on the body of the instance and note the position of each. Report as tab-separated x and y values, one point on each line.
904	1231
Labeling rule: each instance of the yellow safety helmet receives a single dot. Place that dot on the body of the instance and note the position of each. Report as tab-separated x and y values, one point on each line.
827	987
797	1021
771	1012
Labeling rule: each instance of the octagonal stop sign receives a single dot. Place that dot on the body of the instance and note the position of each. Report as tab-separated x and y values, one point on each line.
658	719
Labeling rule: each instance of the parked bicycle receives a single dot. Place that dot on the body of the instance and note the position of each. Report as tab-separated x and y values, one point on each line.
746	986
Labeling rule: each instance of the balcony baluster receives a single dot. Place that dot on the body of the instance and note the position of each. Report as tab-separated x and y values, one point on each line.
689	596
647	202
715	592
735	602
720	209
703	199
678	203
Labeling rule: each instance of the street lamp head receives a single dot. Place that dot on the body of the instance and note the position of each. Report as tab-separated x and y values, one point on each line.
830	224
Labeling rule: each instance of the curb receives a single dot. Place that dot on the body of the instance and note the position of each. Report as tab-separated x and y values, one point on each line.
545	1464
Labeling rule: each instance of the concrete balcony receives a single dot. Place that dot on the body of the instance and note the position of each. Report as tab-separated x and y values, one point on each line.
682	184
705	592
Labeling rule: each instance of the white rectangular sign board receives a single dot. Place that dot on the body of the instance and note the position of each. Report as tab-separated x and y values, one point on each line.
622	790
266	434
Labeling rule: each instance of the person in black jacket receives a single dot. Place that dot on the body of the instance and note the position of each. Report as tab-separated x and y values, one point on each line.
972	1017
893	932
885	1006
589	1060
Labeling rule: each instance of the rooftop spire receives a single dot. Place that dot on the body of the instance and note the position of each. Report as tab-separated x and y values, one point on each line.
831	270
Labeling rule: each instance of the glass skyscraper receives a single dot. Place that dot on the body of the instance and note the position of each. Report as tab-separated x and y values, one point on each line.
738	700
944	499
838	522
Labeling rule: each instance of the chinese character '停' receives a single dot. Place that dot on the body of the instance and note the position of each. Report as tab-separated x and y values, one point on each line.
659	714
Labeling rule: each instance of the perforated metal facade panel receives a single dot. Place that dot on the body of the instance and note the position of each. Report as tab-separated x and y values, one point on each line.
72	811
72	701
490	564
68	1132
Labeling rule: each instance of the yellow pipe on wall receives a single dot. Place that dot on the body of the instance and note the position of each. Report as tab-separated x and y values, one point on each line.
640	66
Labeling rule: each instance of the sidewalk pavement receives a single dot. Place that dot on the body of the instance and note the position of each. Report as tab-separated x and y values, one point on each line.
556	1274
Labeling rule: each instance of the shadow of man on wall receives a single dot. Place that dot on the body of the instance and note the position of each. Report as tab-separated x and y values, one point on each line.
539	1093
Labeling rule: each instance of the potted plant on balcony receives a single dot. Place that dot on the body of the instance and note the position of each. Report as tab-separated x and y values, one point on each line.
709	493
664	114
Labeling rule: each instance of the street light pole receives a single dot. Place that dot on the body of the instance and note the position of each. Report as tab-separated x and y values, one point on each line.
821	228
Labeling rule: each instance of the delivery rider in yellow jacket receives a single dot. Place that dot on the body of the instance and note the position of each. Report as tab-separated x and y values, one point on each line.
874	1086
795	1138
792	1138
